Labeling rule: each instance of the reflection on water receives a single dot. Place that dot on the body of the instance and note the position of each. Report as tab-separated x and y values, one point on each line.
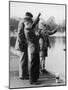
55	62
54	40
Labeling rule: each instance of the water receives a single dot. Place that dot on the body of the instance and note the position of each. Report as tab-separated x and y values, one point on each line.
55	62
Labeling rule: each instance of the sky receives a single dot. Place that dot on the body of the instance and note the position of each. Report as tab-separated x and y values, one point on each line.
18	9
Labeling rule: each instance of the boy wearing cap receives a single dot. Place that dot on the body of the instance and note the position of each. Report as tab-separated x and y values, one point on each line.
29	45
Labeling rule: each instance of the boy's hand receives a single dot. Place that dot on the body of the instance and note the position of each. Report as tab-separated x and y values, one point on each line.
49	46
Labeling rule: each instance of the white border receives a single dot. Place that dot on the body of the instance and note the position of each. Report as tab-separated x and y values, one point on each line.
4	43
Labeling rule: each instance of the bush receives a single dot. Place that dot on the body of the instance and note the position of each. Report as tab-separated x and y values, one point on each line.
12	41
13	24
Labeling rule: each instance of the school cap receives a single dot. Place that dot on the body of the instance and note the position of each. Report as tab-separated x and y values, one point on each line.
28	16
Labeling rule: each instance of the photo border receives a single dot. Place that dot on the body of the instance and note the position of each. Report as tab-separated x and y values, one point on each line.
65	43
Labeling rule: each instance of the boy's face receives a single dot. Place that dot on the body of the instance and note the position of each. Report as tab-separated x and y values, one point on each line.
27	24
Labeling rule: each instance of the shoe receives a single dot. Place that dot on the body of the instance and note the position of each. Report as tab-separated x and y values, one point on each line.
27	77
44	71
24	78
33	82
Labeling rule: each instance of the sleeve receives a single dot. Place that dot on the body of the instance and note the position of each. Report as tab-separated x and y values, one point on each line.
53	31
35	23
18	40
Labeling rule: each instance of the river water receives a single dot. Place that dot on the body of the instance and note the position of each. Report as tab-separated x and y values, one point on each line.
55	62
